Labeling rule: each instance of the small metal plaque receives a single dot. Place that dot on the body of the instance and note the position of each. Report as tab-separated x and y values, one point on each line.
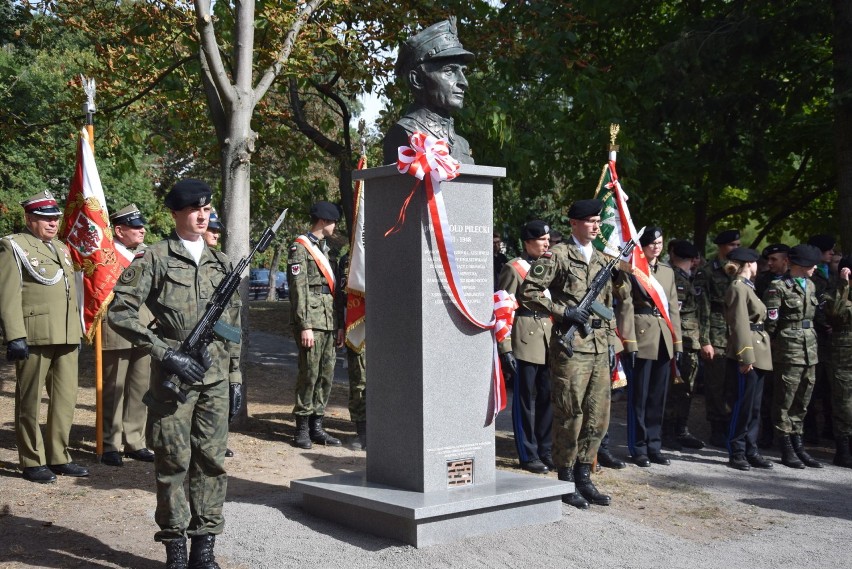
459	472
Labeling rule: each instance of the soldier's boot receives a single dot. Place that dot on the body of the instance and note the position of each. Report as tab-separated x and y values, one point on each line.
201	554
843	457
585	486
360	440
803	455
318	434
685	438
572	499
176	553
302	439
719	434
788	455
669	437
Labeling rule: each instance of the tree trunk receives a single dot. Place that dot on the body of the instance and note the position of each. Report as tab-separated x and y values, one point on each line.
843	115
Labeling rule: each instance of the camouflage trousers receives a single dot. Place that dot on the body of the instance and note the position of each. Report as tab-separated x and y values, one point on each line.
190	443
316	372
791	395
717	389
357	364
841	391
580	392
681	389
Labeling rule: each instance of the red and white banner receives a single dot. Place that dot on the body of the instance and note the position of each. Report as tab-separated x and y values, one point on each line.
428	159
356	284
86	230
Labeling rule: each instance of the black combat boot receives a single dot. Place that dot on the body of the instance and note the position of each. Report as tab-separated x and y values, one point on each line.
842	457
302	439
685	438
572	499
360	440
788	455
803	455
175	553
201	555
583	477
318	435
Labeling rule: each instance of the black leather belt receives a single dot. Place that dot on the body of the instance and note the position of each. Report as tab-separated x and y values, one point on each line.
324	289
654	311
527	312
757	327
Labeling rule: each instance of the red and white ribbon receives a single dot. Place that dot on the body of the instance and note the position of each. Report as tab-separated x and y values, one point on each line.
428	159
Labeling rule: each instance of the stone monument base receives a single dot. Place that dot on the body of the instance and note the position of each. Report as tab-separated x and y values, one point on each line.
430	518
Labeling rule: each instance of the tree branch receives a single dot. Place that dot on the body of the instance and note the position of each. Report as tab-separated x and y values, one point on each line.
207	40
790	209
214	103
331	147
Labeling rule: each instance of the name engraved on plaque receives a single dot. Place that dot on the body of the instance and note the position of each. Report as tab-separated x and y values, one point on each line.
473	269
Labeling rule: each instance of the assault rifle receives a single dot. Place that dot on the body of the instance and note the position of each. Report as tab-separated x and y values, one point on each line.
210	327
588	302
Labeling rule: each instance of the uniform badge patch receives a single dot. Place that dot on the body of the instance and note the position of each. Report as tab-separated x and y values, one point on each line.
772	314
538	270
295	269
34	262
129	276
697	290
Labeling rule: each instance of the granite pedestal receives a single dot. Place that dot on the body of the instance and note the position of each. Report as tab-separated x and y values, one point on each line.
431	473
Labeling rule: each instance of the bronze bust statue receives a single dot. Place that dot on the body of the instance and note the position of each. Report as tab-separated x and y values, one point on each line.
433	62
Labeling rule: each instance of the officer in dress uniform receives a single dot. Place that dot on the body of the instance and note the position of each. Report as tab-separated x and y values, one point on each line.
652	345
41	320
317	326
749	358
525	355
127	368
676	433
175	278
791	305
433	63
580	384
838	307
711	284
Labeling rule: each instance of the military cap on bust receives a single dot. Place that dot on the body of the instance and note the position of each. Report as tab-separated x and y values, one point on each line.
775	248
214	224
685	249
744	255
129	216
805	255
188	192
43	203
438	41
581	209
650	235
822	242
325	210
728	236
534	229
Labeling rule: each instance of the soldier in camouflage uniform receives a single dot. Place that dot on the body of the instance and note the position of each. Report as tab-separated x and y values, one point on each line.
356	364
791	304
711	283
317	326
580	384
175	279
838	307
676	433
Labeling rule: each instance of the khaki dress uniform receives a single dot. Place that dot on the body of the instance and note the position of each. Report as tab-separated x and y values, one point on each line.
644	331
38	301
580	385
748	343
532	410
188	439
127	374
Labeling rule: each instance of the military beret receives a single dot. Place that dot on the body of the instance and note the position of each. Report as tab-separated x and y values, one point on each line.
728	236
188	192
744	255
685	249
325	210
805	255
129	216
650	235
43	203
214	224
775	248
438	41
822	242
845	263
534	229
581	209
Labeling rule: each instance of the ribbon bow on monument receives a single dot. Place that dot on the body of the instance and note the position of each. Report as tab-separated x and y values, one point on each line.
429	155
